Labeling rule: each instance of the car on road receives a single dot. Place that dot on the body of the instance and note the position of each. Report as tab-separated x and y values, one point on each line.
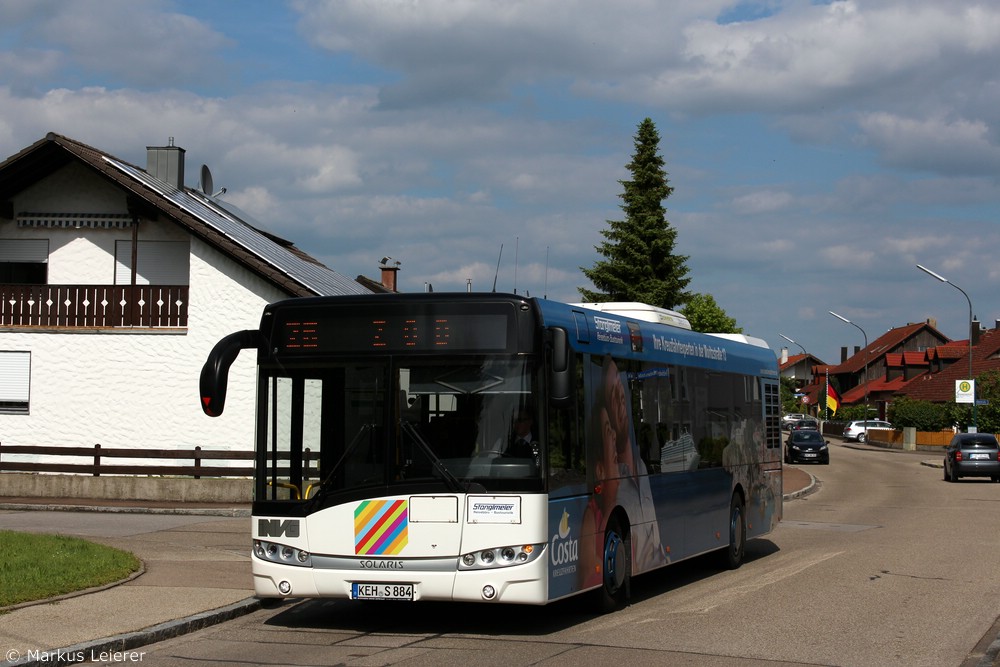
807	445
805	424
789	419
972	455
858	430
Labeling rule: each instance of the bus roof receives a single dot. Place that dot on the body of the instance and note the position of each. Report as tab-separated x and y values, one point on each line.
639	311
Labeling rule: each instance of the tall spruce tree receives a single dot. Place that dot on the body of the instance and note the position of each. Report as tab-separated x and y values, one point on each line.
641	264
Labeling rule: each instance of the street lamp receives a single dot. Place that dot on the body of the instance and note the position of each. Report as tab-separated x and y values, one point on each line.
794	343
974	427
844	319
803	352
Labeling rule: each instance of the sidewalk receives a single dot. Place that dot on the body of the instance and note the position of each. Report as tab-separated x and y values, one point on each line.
196	574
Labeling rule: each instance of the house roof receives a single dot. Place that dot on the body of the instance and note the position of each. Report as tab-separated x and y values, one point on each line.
217	223
953	350
882	345
909	358
799	358
940	386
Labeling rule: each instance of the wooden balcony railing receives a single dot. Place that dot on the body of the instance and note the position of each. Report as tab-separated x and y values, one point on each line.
93	306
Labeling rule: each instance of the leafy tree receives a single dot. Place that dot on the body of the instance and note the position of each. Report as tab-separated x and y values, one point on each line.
706	316
789	403
987	416
850	413
641	264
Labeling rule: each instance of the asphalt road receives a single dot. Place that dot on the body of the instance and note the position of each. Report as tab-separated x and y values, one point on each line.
885	564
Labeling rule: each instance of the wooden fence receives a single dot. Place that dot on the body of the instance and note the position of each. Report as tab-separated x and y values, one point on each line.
189	462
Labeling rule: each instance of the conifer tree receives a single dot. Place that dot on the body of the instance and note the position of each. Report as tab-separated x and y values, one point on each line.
640	263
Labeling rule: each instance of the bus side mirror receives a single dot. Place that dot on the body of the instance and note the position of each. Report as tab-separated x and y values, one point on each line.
215	373
561	374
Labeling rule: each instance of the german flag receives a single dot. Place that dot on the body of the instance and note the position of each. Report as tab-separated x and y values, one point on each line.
832	398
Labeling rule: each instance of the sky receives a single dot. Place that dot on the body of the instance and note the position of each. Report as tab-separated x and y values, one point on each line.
818	151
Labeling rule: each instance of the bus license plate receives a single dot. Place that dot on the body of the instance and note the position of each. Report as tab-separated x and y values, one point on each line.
362	591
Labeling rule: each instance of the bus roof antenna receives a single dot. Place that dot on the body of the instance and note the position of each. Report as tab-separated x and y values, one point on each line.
545	288
517	244
498	269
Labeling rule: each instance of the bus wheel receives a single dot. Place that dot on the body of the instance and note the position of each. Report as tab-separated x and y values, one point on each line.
736	550
617	567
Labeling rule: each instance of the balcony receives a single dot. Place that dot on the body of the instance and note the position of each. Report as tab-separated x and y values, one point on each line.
94	306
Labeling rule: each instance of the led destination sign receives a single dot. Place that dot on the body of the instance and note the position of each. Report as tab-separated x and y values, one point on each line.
344	332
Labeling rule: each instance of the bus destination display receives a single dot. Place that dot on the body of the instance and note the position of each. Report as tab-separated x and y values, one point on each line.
374	333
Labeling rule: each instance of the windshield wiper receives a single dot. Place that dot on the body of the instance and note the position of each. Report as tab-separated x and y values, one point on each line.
365	428
446	474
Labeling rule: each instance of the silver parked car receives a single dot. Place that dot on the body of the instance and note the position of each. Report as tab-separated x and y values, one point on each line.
788	420
859	430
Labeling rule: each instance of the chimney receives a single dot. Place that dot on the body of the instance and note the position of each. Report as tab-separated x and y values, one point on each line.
857	348
976	331
166	163
843	354
389	269
784	355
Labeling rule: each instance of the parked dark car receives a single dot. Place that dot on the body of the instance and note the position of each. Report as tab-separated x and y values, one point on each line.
972	455
807	445
805	424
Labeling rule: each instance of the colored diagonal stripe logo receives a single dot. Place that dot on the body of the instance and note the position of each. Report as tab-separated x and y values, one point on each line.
380	527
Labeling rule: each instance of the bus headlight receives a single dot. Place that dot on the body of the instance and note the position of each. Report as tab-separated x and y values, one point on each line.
281	553
500	557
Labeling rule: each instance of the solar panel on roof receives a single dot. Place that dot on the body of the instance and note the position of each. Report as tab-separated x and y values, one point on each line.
320	279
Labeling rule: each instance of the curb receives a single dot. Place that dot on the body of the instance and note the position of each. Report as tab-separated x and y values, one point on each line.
106	649
805	491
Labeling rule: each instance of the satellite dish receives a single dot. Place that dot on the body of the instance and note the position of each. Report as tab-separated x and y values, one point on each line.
206	180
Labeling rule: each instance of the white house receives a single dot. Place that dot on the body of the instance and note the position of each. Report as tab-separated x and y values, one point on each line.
115	282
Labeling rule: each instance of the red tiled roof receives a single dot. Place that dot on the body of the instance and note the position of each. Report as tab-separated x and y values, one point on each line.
890	340
940	386
950	351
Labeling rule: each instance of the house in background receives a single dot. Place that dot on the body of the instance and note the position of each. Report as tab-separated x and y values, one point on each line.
946	364
872	375
115	282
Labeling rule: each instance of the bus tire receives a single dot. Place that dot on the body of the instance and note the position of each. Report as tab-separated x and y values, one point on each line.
735	552
616	567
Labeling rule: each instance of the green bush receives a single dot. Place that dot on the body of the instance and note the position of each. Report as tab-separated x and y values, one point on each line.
922	415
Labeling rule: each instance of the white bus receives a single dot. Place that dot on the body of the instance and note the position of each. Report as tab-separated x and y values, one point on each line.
498	448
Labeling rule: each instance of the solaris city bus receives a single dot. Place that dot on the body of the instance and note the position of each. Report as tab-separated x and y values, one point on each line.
495	447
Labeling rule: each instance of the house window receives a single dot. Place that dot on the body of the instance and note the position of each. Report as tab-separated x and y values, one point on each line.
159	263
24	261
15	382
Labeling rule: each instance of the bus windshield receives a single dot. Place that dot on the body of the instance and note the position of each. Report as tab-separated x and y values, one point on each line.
347	427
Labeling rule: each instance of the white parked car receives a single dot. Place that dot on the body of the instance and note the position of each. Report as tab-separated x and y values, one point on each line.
859	430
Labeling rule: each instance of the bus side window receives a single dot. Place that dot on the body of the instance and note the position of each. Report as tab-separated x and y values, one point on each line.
567	454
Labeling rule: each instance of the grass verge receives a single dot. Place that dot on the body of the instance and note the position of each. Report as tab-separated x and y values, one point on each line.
35	567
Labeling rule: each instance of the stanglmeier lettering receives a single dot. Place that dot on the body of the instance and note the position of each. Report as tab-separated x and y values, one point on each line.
492	507
611	326
381	564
